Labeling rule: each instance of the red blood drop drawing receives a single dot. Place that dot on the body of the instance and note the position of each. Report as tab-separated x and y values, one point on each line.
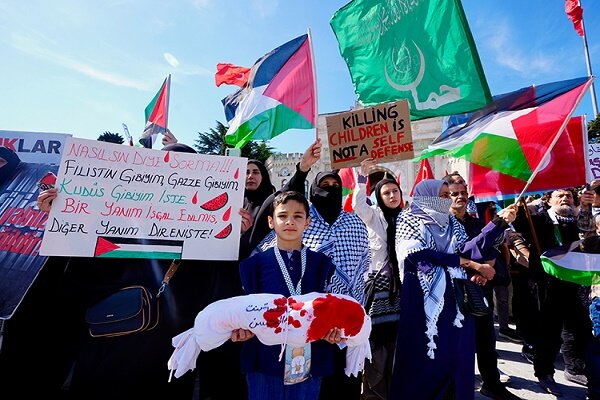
226	215
216	203
224	233
236	174
195	198
167	156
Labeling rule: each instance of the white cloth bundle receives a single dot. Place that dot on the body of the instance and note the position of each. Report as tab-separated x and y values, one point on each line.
275	319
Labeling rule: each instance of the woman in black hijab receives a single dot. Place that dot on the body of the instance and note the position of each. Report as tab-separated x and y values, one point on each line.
258	189
343	237
326	195
258	186
383	283
261	209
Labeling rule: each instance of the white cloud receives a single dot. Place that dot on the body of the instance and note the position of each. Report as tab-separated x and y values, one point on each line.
34	48
507	53
170	58
202	4
265	8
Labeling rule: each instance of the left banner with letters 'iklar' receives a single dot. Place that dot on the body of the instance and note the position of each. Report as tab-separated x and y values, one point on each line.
25	157
128	202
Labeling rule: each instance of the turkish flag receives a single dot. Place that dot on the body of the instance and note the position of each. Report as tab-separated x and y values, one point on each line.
231	75
425	172
575	14
564	167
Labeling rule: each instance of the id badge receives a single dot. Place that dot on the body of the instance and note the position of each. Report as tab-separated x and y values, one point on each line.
297	364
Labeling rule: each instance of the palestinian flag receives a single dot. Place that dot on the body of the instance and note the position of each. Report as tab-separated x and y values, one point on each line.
157	115
570	264
279	95
564	167
348	185
514	133
119	247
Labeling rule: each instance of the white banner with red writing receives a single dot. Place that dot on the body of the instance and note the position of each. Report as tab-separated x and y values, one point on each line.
125	202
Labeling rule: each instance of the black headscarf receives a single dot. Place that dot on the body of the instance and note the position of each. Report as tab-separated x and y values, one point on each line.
327	201
391	215
179	148
253	199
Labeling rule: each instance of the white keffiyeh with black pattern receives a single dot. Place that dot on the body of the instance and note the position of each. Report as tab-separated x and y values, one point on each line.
412	235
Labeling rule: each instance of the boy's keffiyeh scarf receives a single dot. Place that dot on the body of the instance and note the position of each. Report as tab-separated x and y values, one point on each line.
413	236
346	242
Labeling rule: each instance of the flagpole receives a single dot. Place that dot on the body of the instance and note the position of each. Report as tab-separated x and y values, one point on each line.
126	130
554	140
168	99
314	70
589	67
586	148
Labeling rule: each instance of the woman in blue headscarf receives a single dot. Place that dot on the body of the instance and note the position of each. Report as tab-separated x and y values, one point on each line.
435	349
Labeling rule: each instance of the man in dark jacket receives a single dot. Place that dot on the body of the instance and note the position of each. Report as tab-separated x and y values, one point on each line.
562	316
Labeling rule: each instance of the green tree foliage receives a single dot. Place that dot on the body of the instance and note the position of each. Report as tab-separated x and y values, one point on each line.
111	138
213	142
594	130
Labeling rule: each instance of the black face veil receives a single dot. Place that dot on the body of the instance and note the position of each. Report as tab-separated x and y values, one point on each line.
328	200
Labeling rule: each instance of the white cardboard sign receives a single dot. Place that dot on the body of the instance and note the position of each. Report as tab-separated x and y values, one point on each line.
127	202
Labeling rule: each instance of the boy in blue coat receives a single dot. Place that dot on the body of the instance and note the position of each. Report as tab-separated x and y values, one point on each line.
288	269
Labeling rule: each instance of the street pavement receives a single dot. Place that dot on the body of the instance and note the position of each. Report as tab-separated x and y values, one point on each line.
523	383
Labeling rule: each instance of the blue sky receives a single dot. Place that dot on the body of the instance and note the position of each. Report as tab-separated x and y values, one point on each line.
84	67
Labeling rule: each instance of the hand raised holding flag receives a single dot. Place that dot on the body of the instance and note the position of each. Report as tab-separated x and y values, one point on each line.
311	156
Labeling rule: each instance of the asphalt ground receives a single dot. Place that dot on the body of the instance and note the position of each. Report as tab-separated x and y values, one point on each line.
522	381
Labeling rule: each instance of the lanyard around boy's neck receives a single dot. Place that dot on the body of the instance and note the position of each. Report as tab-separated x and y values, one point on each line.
286	275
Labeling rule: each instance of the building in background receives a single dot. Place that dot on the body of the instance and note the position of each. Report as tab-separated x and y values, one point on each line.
282	166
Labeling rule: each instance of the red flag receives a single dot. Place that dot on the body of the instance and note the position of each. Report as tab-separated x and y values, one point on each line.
425	172
231	75
565	167
398	180
575	14
348	186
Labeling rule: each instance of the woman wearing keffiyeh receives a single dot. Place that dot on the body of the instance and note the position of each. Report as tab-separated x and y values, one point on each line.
435	349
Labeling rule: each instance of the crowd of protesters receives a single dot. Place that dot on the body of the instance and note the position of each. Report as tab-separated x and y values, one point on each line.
400	262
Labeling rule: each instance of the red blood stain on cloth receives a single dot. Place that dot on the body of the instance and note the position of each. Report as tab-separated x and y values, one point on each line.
273	315
294	322
295	305
333	312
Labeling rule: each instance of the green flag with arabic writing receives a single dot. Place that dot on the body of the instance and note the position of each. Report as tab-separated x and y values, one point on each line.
420	50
